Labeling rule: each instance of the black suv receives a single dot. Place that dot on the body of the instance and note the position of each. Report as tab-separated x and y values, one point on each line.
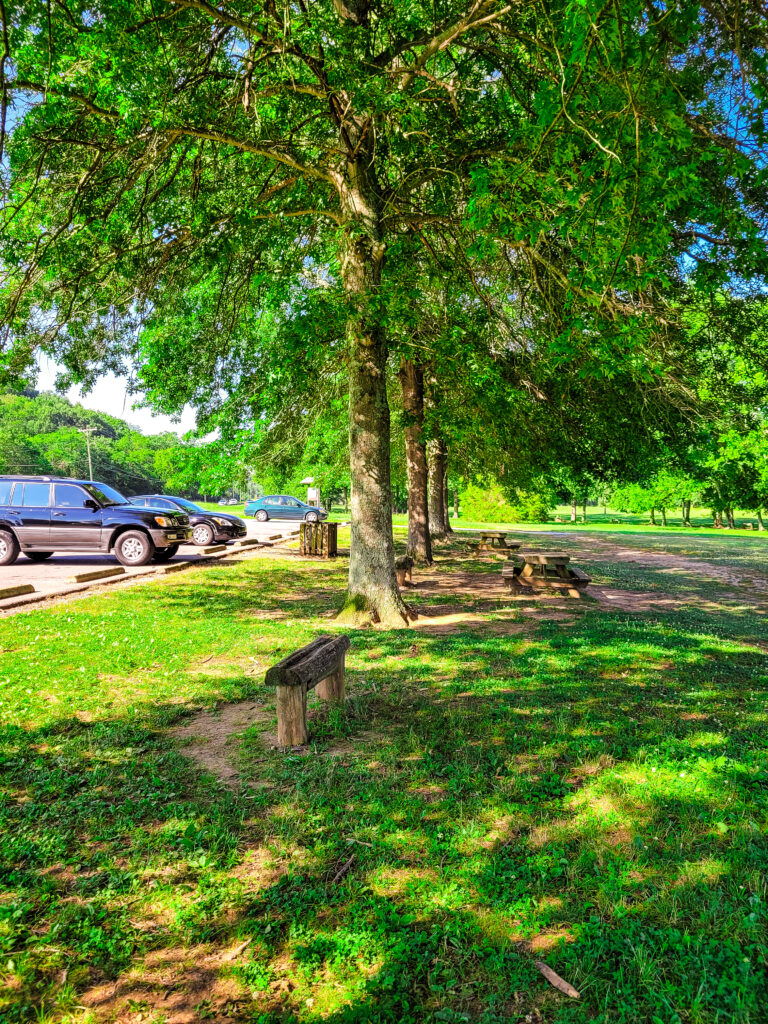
43	514
207	527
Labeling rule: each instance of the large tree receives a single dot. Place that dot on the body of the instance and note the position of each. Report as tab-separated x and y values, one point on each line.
183	145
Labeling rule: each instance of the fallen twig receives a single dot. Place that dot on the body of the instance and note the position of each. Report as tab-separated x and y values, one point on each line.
343	869
557	981
234	953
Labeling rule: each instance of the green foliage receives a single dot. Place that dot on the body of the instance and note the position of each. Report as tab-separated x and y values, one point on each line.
485	503
529	507
42	434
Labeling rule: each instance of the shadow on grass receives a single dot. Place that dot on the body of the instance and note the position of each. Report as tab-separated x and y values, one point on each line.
598	796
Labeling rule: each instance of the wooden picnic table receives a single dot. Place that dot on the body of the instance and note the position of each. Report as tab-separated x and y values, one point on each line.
497	539
538	562
545	570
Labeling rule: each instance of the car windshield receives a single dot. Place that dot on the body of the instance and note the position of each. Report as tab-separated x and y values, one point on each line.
190	506
105	495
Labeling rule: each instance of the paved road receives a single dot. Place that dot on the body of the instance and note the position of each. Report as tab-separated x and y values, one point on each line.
50	576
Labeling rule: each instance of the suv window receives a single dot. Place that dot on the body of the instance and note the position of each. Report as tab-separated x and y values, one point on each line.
5	492
161	503
36	495
69	496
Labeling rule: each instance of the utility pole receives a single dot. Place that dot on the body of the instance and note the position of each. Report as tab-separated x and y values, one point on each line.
88	431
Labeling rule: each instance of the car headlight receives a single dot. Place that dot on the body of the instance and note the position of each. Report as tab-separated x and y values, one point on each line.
221	522
164	521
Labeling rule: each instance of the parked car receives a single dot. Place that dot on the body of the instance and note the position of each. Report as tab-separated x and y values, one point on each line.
43	514
283	506
207	527
233	501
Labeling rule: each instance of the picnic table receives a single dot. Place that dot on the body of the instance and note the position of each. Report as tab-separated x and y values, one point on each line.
496	539
545	570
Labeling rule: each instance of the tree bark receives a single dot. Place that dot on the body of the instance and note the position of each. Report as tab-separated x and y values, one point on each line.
663	516
419	544
729	515
437	462
446	499
574	510
688	513
760	523
372	591
653	517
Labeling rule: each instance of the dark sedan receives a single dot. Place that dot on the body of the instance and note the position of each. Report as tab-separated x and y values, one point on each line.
283	506
207	527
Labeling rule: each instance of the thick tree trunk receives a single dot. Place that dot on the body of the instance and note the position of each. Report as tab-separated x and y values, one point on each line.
372	590
437	463
584	512
653	517
419	544
688	513
574	511
731	523
760	523
663	516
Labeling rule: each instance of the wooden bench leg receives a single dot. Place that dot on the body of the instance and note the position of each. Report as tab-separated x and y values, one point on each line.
291	716
333	687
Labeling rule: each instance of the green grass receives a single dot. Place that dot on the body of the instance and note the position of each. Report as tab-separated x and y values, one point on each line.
591	793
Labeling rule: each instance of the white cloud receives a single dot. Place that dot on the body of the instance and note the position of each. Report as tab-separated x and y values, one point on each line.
110	395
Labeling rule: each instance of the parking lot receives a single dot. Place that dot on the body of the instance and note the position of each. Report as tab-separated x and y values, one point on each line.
57	574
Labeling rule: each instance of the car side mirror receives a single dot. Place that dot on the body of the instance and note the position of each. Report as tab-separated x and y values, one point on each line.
92	504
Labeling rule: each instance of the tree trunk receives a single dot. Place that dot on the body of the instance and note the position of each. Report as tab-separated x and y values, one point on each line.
688	513
663	516
760	523
372	590
584	512
574	510
731	523
437	463
419	544
653	517
446	500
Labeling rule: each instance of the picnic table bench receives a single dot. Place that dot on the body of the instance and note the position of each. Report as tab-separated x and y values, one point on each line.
545	570
320	664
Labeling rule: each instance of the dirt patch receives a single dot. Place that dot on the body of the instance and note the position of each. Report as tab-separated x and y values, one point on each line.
181	984
208	737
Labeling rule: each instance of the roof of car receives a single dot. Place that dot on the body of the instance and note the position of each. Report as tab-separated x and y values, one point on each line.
24	477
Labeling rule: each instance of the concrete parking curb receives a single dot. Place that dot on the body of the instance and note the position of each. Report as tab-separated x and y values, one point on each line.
90	580
98	574
17	591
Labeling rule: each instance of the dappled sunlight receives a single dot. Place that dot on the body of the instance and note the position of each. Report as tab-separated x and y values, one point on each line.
484	798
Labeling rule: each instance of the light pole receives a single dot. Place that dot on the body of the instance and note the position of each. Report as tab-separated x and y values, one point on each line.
88	431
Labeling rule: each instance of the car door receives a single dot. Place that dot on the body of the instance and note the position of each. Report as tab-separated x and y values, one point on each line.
73	525
293	509
34	529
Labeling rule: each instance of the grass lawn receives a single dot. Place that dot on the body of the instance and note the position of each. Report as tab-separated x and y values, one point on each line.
589	788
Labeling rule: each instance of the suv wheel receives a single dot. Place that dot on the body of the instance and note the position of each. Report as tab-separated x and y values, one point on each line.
38	556
311	517
165	554
134	548
202	535
262	516
9	548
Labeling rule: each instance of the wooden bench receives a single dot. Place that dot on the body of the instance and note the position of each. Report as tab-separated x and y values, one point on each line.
403	569
319	664
319	540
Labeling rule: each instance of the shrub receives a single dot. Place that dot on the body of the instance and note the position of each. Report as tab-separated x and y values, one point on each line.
487	503
530	507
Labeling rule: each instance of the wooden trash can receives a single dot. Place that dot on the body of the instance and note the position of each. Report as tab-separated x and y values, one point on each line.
319	540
